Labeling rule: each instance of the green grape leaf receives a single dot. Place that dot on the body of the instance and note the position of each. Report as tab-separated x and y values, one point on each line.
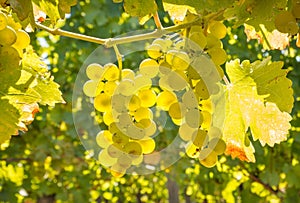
178	12
23	8
245	109
9	121
50	8
64	6
140	8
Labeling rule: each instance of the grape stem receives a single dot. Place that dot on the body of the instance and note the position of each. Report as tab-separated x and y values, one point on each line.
265	37
157	21
119	59
225	79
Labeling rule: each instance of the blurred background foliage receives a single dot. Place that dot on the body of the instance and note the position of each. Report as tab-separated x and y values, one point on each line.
49	163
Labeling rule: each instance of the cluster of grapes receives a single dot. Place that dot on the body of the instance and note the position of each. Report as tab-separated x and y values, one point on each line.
186	76
13	40
286	21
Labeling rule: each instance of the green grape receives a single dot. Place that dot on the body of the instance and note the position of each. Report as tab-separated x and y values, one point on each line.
296	8
199	138
201	90
208	158
126	87
135	132
94	71
164	43
110	87
199	38
92	88
207	119
201	66
8	36
214	132
165	99
118	103
102	102
217	29
165	68
115	150
120	138
23	40
111	72
137	160
189	99
3	21
134	103
154	51
149	68
124	161
191	150
213	42
142	82
181	61
142	113
9	57
218	55
105	159
128	74
148	145
218	145
147	97
185	132
133	148
177	80
285	22
193	118
104	138
177	110
151	130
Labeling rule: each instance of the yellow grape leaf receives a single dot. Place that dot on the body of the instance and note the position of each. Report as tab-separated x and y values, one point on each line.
140	8
273	40
178	12
245	109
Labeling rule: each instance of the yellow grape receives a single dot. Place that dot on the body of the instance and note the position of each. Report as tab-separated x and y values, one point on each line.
164	83
193	118
111	72
126	87
148	145
196	28
218	29
201	90
180	61
169	56
185	132
3	21
142	113
124	161
206	105
208	158
105	159
154	51
137	160
178	122
201	66
92	88
120	138
180	45
165	99
142	82
128	74
191	150
133	148
134	103
214	132
147	97
213	42
177	80
190	100
218	55
102	102
117	170
165	68
114	150
9	57
114	127
177	110
151	130
218	145
23	40
164	43
94	71
118	103
149	68
110	87
8	36
198	38
199	137
108	118
207	119
144	123
135	132
285	22
104	138
296	8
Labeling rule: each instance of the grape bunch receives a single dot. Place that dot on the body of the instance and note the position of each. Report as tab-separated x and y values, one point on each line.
178	79
13	40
